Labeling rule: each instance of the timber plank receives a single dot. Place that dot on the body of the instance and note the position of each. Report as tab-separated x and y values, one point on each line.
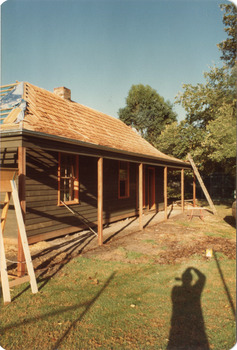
53	228
19	281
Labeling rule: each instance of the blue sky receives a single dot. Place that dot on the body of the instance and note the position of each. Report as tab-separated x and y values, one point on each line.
100	48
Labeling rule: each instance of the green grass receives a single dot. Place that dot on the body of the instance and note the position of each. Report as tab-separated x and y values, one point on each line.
130	254
129	306
95	304
220	225
150	241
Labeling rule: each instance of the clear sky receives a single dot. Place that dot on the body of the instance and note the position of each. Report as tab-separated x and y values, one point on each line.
100	48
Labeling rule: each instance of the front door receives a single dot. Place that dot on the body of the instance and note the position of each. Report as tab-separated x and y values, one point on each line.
151	188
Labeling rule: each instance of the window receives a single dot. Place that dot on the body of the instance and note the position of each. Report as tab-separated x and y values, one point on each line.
123	190
68	178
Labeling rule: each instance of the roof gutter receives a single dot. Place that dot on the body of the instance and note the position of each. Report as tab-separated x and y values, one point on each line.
26	132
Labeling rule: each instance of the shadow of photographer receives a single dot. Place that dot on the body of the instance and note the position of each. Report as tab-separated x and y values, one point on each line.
187	324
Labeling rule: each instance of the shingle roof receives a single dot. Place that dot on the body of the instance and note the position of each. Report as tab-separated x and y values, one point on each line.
50	114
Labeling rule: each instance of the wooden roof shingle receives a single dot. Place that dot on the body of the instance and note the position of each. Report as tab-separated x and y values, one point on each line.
51	114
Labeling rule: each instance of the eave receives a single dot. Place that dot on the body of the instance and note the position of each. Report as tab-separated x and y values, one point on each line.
136	157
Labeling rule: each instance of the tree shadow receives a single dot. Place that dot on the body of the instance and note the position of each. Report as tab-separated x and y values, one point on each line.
225	285
120	230
149	221
87	308
187	323
48	268
87	305
230	220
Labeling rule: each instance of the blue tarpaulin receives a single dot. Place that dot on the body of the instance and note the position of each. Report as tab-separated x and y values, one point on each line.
12	100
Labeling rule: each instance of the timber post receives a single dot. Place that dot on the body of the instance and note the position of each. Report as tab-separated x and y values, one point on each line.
140	196
165	191
21	191
100	200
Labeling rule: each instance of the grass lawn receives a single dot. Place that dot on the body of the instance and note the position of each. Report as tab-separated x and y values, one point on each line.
92	304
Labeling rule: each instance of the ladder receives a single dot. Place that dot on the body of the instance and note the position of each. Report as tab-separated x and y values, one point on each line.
8	185
196	172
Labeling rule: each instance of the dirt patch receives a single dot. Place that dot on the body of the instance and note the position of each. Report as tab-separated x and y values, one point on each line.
167	242
164	243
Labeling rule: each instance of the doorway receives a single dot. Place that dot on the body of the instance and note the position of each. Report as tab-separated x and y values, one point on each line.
151	188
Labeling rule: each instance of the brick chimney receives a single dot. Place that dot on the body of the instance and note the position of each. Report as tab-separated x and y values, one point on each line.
63	92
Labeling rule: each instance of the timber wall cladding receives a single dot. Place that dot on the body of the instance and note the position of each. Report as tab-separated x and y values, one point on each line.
8	159
42	213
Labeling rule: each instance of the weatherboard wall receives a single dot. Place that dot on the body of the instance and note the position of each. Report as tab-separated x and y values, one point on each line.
9	159
43	215
45	219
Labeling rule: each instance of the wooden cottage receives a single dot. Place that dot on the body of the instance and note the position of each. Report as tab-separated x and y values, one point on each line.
71	155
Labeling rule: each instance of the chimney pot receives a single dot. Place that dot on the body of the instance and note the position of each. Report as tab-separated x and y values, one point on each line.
63	92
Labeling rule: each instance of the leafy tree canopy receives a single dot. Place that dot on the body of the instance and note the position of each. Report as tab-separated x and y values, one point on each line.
229	46
179	139
209	130
203	101
146	111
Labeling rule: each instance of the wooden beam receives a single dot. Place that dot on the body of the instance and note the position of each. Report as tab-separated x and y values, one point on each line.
140	196
3	270
21	191
5	210
182	189
23	236
165	192
18	281
194	190
196	172
4	86
6	174
100	200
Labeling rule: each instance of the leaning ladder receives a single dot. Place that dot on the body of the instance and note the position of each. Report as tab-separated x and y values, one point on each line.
196	172
11	189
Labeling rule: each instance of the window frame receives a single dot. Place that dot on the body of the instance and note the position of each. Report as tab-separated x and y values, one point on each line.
75	180
127	183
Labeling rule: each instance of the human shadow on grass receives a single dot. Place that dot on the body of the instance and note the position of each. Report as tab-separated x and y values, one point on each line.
187	330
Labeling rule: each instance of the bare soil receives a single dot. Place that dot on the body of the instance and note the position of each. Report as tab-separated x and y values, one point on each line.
168	242
165	243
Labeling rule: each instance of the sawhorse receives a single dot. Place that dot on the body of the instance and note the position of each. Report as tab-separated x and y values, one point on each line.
196	211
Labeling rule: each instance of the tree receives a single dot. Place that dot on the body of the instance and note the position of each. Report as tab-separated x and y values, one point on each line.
179	139
229	46
203	101
146	111
209	130
220	140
